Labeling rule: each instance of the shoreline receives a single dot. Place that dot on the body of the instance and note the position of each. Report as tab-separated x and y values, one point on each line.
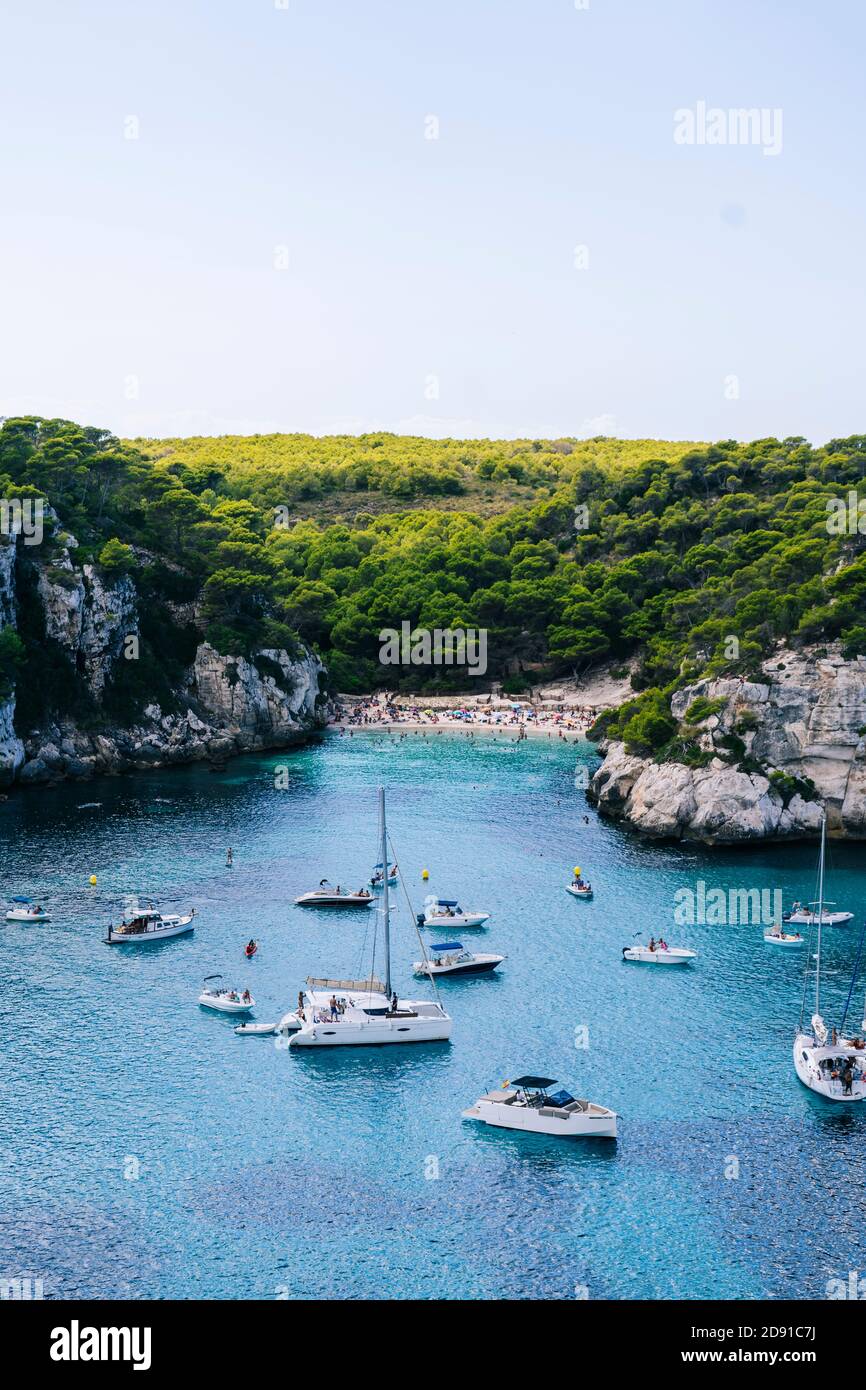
513	733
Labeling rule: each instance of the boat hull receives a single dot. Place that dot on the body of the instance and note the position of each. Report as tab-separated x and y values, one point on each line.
465	920
476	967
342	902
22	916
787	943
806	1056
642	955
529	1121
579	893
147	938
376	1033
226	1006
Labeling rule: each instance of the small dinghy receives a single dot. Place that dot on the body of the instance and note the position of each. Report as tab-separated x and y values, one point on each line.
225	1001
447	912
377	877
450	958
579	887
658	953
528	1104
777	937
326	896
256	1030
149	926
802	915
25	910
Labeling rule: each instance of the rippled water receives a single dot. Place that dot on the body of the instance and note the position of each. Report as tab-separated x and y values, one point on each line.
149	1152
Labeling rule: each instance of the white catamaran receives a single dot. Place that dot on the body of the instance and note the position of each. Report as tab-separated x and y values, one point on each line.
368	1013
825	1060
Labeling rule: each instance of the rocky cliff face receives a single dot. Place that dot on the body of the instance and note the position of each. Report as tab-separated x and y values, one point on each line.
774	751
224	704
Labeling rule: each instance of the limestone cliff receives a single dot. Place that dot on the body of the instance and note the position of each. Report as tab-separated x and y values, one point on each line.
770	755
222	705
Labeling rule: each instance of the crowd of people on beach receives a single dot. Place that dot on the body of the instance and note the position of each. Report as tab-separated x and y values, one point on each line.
521	717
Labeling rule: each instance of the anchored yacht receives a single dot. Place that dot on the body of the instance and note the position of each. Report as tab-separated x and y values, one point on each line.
368	1012
528	1104
827	1060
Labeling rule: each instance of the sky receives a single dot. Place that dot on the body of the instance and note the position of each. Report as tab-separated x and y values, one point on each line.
438	217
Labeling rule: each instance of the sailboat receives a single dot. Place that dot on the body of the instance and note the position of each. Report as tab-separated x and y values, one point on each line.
825	1060
368	1013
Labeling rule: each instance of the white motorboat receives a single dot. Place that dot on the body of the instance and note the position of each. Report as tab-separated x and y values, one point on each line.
579	887
447	912
451	958
25	910
802	915
148	926
224	1000
326	896
658	955
790	940
368	1013
825	1060
528	1104
393	876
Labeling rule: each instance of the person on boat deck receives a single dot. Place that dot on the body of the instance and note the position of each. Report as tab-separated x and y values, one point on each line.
335	1013
652	944
394	1002
247	997
663	945
847	1077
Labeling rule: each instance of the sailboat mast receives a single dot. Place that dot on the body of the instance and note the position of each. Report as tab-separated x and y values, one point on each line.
386	904
820	914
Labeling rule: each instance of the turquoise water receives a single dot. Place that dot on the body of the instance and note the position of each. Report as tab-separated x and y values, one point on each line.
149	1152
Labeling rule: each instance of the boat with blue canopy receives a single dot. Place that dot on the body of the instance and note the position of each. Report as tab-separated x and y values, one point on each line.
451	958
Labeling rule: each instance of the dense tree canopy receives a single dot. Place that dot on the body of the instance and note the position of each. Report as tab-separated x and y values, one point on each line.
566	551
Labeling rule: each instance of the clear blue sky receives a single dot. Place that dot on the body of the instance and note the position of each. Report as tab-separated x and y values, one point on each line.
148	265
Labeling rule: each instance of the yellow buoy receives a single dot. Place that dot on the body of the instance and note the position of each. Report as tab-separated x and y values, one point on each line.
577	873
93	879
424	873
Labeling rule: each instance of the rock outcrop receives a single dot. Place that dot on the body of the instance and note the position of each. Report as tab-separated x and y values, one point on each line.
223	705
771	754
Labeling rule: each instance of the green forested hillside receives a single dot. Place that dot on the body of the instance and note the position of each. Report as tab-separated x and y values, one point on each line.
680	547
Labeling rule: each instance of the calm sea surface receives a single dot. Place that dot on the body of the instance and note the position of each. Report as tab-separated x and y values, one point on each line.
148	1152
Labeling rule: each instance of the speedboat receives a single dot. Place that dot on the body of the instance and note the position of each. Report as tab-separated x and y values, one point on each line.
225	1001
149	926
393	876
450	958
447	912
25	910
658	955
777	937
368	1013
527	1103
804	915
326	896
